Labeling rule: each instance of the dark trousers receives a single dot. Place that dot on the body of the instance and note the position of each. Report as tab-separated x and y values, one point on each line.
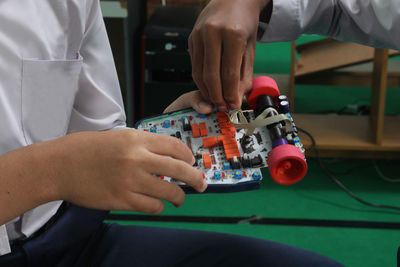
80	238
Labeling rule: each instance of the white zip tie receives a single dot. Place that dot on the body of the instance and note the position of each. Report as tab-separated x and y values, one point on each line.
267	117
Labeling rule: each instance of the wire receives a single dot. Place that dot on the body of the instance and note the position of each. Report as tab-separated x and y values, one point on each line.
339	183
350	170
384	177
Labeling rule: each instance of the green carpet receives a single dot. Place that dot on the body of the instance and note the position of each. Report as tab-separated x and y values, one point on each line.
315	197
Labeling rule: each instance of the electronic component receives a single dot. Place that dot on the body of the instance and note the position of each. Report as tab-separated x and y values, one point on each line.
282	98
235	163
203	129
189	142
246	142
257	161
284	107
186	123
226	165
207	161
166	124
246	162
213	161
217	175
238	174
256	175
195	130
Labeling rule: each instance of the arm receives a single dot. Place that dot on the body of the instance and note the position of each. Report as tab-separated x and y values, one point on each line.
372	22
103	170
222	44
25	182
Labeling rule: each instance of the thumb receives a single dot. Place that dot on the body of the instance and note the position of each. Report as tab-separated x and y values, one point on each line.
192	99
199	104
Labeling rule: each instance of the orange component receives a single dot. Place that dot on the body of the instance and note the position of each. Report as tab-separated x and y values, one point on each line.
231	148
228	130
207	161
232	151
203	129
195	130
221	138
232	131
209	141
221	115
225	125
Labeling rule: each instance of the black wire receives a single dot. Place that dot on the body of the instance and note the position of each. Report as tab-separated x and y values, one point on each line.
351	169
339	183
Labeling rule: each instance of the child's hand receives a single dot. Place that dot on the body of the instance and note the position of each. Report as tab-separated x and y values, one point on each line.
222	48
192	99
115	170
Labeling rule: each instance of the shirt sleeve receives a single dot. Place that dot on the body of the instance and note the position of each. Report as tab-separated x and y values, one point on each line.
98	104
369	22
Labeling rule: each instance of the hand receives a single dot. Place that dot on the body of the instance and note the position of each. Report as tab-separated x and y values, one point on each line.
115	170
222	48
192	99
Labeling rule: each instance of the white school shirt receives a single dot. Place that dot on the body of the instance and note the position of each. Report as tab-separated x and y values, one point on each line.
57	75
369	22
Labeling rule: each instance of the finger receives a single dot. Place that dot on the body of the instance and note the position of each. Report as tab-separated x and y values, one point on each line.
179	103
196	49
192	99
168	146
198	103
212	66
177	169
142	203
157	188
246	79
233	52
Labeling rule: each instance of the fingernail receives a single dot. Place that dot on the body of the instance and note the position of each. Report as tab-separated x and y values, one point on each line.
222	108
233	105
193	160
204	105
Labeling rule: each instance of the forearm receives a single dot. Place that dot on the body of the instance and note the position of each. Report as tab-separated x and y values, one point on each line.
370	22
26	180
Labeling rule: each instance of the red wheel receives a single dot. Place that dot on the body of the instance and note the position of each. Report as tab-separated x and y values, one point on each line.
262	85
286	164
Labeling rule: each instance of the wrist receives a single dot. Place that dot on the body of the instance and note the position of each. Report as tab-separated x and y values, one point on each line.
43	158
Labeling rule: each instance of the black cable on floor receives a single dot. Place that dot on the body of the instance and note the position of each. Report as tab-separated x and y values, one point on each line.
255	220
339	183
